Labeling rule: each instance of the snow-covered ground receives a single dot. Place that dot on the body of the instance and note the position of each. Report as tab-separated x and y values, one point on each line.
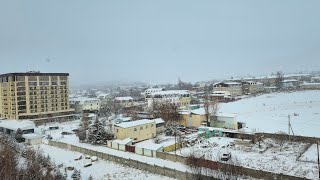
311	155
266	158
74	140
99	170
269	112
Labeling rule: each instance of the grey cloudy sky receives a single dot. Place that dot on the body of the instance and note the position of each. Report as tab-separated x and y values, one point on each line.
159	41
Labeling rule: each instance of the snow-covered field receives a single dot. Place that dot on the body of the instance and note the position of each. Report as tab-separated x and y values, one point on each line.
99	170
311	155
266	158
269	112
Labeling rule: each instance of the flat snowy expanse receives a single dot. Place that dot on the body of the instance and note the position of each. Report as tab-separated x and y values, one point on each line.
99	170
269	112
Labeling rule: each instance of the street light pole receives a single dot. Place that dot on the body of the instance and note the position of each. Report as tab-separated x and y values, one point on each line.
318	159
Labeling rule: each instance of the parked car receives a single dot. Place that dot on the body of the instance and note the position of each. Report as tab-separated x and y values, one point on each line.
225	156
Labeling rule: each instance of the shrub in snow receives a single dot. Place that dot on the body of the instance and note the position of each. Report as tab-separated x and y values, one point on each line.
34	164
18	135
76	175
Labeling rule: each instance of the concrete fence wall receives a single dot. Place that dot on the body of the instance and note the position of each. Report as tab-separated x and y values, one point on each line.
172	173
235	170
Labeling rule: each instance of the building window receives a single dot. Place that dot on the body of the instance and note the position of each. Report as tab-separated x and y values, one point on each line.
141	128
117	130
135	129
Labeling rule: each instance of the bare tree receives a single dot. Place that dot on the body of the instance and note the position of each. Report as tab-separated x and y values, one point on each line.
34	166
211	107
281	138
110	107
279	80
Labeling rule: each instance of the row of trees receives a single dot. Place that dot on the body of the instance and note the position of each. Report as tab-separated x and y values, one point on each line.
17	162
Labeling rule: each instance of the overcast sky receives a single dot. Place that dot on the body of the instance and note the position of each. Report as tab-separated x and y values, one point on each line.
159	41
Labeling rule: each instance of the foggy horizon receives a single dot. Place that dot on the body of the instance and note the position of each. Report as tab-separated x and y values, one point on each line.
159	41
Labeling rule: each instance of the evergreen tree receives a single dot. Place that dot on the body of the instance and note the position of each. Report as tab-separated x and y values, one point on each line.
84	126
18	135
98	134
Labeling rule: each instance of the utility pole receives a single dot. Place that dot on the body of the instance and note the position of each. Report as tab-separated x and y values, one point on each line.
289	126
318	159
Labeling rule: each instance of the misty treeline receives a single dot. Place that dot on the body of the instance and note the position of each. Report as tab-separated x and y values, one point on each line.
18	162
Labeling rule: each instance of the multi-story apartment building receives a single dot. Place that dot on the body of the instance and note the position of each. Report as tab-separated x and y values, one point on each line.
35	96
181	98
234	88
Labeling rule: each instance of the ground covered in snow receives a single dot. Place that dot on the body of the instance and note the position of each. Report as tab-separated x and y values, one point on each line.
99	170
269	112
268	157
311	155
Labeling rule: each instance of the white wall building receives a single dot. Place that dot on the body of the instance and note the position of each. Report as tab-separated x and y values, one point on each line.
85	104
124	101
152	90
181	98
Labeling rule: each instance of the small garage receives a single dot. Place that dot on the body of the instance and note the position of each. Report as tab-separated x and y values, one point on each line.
32	139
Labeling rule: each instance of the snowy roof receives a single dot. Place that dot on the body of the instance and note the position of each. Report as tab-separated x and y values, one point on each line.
154	89
310	84
232	83
123	98
271	87
158	120
134	123
32	136
171	92
200	111
226	115
83	100
149	144
123	142
184	112
91	115
16	124
289	80
103	95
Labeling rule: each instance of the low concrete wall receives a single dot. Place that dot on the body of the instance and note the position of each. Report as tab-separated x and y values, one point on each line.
303	139
172	157
165	171
171	172
236	170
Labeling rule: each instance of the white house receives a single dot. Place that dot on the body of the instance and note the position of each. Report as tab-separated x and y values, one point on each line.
103	96
32	139
124	101
312	86
223	120
84	104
